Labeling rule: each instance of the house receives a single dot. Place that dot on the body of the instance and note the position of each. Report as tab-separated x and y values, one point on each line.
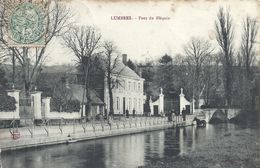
97	105
128	94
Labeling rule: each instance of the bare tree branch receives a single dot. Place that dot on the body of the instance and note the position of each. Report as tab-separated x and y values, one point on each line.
247	50
84	42
224	34
197	52
30	59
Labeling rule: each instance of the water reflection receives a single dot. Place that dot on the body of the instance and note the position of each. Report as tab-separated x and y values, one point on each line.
0	160
123	151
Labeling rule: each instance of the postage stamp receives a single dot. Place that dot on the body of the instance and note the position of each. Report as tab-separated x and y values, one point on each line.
26	24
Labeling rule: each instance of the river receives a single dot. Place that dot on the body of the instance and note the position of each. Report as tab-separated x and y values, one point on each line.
126	151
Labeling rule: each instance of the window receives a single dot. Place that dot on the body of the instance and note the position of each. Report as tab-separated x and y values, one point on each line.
135	103
117	103
107	102
129	106
129	85
134	86
123	84
139	102
116	83
139	87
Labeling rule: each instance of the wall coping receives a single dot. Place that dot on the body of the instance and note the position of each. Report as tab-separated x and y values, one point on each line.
35	92
13	90
46	97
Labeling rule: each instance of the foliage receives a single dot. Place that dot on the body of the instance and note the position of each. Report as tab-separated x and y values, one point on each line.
7	103
164	77
148	75
147	109
165	59
62	100
3	80
131	65
70	106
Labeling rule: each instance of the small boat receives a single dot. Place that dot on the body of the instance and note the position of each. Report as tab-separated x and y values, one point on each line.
71	140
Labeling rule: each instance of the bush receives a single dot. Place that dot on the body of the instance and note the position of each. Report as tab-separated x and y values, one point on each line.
7	103
73	106
61	106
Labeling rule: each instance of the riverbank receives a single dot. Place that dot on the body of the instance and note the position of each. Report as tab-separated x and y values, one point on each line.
233	149
33	136
49	135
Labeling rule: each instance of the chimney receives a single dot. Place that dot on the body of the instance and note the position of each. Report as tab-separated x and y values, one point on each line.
124	58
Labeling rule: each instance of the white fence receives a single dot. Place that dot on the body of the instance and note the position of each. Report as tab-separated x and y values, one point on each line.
9	115
65	115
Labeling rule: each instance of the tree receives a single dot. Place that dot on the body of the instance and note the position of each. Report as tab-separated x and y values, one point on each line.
247	49
166	59
3	80
7	103
84	42
62	98
245	60
164	77
224	34
210	79
131	65
31	58
110	63
197	51
181	75
148	74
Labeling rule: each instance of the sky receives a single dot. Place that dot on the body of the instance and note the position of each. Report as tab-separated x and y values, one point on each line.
142	39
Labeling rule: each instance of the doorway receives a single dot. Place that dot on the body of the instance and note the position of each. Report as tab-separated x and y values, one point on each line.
155	110
123	105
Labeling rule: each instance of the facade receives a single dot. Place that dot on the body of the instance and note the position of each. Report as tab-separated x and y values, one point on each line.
128	93
157	106
184	103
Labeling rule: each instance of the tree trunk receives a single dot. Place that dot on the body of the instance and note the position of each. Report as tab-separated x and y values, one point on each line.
111	103
13	62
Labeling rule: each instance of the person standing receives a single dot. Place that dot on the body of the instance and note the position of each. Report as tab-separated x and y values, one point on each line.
127	113
183	114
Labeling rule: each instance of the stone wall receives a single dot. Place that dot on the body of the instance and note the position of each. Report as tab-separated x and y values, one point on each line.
52	114
44	135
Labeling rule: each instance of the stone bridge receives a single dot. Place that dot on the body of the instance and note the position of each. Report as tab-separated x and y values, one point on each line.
207	114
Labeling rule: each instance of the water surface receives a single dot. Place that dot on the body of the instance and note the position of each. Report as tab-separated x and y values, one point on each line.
126	151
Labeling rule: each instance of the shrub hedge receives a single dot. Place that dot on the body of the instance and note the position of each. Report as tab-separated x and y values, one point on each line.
7	103
60	106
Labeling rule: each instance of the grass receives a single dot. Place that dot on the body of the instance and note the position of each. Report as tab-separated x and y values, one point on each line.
235	149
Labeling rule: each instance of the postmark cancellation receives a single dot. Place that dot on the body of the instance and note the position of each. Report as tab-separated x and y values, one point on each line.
25	23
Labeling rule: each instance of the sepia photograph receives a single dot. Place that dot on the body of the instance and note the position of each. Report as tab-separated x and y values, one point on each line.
129	83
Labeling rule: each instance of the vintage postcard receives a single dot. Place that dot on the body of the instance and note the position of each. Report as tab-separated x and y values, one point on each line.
129	84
